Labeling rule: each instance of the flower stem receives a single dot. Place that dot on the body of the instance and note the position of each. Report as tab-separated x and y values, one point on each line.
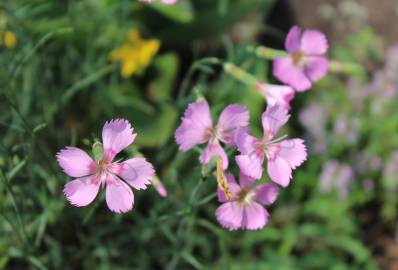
346	68
197	65
22	231
240	74
266	53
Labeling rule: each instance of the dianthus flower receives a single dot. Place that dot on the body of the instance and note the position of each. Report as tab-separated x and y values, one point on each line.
305	62
167	2
276	94
282	155
113	175
197	128
245	209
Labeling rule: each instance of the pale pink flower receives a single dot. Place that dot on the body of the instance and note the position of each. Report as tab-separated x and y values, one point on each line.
168	2
276	94
197	128
336	176
245	209
305	62
282	155
115	176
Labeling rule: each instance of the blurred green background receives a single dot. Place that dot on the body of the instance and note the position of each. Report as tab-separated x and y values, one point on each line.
58	86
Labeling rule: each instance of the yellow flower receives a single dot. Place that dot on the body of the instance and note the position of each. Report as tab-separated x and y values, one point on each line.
135	55
8	39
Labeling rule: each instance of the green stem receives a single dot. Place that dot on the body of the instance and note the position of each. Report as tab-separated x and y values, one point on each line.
267	53
240	74
346	68
24	236
208	61
37	46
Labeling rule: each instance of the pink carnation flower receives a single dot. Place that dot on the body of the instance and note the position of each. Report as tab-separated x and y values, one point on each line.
197	128
168	2
114	176
245	210
283	155
305	63
276	94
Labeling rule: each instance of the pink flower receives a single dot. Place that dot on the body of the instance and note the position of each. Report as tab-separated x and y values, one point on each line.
197	128
276	94
114	176
283	155
305	62
168	2
245	210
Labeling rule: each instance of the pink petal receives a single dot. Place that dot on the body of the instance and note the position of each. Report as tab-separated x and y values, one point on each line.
81	191
116	136
316	67
245	180
276	94
119	196
245	142
273	119
232	117
230	215
293	39
250	165
75	162
233	186
285	70
194	127
137	172
214	149
314	42
279	171
293	152
266	193
255	216
169	2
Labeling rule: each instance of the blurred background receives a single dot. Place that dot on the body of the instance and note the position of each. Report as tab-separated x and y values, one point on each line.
65	70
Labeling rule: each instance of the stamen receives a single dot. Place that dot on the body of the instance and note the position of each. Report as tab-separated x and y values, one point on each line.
278	139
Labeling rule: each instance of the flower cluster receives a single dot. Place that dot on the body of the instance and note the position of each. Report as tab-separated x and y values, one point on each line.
243	204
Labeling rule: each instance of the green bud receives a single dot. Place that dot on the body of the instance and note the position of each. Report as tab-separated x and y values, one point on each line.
98	151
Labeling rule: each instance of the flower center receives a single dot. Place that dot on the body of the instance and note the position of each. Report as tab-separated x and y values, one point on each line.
101	165
215	134
298	58
245	195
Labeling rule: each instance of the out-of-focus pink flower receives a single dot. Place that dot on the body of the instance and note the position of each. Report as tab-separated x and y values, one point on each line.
114	176
197	128
245	209
168	2
314	118
305	62
283	155
390	172
276	94
336	176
